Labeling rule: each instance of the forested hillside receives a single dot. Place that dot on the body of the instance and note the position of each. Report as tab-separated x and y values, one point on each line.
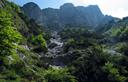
31	52
20	40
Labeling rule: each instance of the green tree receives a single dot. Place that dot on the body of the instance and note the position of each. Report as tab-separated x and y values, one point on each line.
59	75
9	36
114	72
40	42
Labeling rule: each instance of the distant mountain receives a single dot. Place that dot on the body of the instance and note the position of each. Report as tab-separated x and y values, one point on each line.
66	15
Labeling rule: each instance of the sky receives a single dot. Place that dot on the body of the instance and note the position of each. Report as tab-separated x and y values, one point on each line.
116	8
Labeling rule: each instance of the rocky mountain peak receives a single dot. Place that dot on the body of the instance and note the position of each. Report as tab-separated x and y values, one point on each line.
68	14
67	5
33	11
31	5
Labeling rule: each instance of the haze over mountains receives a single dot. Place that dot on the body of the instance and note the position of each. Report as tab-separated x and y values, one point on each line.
67	15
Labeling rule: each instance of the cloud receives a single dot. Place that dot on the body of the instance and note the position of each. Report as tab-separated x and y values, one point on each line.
121	12
116	8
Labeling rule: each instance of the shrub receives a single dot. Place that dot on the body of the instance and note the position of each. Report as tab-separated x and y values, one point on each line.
59	75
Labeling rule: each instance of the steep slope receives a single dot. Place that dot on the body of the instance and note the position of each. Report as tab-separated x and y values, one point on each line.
66	15
20	39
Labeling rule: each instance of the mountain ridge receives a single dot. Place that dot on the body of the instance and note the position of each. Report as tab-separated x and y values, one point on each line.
66	15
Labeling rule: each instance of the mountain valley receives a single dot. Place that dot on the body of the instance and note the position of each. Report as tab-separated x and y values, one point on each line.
69	44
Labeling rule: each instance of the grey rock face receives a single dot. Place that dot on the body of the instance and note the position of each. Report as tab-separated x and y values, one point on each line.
33	11
67	15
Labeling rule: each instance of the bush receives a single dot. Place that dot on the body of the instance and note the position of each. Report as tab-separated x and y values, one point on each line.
59	75
113	72
40	42
9	38
122	48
